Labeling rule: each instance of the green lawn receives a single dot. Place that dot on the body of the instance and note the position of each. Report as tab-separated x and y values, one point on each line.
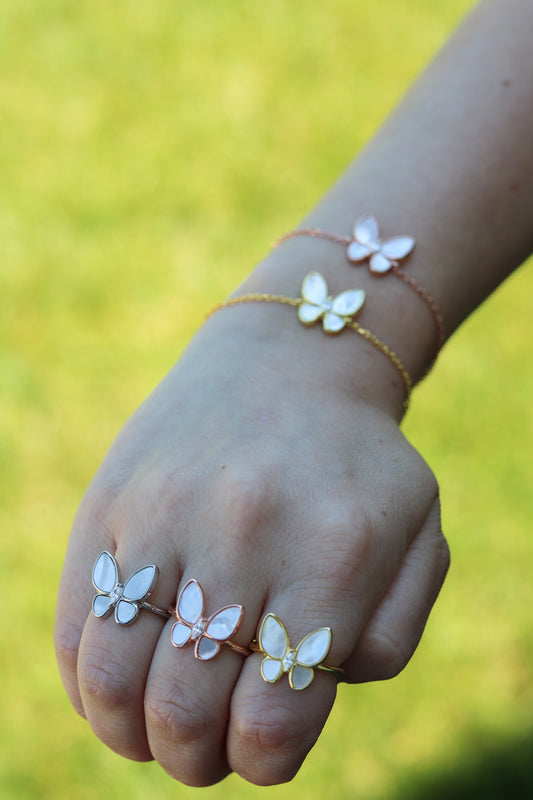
149	153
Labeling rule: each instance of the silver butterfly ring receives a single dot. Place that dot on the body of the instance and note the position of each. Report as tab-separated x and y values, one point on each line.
298	662
125	598
208	634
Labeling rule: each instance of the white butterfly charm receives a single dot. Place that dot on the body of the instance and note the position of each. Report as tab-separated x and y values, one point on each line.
208	634
317	304
281	658
125	598
382	254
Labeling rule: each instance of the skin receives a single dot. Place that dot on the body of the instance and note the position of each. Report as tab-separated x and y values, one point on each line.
269	464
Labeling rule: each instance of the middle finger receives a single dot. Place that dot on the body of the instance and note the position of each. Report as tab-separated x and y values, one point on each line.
187	699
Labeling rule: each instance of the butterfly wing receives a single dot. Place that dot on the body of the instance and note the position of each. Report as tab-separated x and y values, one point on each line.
273	638
314	288
224	623
314	648
105	572
311	651
308	314
221	626
271	669
206	648
398	247
314	293
344	306
137	588
180	634
190	608
190	603
348	303
392	251
300	677
333	323
105	578
366	231
141	584
379	263
274	642
357	252
102	605
126	612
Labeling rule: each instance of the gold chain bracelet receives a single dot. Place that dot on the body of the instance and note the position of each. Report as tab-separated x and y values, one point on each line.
336	313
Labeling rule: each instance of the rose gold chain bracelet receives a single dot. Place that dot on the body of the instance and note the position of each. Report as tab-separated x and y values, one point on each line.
383	255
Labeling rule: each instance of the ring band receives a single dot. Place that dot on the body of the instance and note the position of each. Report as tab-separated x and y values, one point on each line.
208	634
127	598
155	610
256	648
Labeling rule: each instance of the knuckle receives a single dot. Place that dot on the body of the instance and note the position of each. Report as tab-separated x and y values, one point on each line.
106	682
173	718
347	549
275	744
97	506
66	641
387	655
245	501
418	473
348	522
168	492
443	555
180	730
268	734
354	556
433	488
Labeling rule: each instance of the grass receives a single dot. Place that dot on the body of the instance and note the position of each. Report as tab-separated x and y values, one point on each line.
149	152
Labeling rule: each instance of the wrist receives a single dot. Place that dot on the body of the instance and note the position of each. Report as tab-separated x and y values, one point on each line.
371	369
357	361
272	347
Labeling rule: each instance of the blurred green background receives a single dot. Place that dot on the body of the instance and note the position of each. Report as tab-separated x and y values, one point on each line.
149	153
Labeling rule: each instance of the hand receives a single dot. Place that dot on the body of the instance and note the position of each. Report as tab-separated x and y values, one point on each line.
254	471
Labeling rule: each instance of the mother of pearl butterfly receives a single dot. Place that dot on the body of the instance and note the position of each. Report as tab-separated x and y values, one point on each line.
382	254
126	599
207	633
317	304
297	662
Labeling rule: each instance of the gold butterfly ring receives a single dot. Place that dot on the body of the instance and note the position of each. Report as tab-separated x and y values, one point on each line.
298	662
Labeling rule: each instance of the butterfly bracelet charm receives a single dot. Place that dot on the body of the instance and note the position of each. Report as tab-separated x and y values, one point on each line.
381	254
298	662
335	312
207	633
127	598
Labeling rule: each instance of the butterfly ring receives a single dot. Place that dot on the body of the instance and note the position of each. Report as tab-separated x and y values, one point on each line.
298	662
207	633
126	598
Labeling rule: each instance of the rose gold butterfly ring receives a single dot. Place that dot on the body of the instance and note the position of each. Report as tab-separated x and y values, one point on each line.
208	634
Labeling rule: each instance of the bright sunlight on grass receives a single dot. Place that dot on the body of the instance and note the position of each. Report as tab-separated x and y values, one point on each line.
150	151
